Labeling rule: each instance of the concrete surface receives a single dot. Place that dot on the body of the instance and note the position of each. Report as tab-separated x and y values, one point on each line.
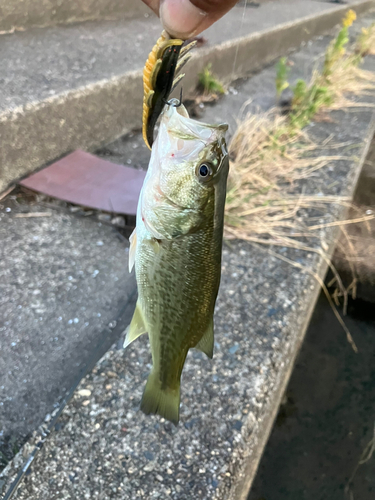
41	63
327	417
80	86
63	283
23	14
105	448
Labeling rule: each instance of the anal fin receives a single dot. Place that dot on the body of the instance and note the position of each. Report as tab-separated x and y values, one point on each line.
136	328
206	343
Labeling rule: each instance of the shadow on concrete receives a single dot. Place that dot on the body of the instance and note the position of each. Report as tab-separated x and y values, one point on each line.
328	414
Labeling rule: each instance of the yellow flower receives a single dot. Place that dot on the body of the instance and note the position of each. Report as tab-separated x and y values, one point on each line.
349	19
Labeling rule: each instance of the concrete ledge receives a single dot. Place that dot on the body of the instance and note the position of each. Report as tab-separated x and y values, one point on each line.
253	52
39	132
19	15
241	486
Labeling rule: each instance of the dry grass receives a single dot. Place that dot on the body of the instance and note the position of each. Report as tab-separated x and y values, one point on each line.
266	163
269	154
366	41
348	79
366	456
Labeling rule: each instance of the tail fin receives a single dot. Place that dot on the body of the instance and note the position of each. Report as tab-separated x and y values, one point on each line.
158	401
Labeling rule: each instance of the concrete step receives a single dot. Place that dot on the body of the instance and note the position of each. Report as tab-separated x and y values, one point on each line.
16	15
80	86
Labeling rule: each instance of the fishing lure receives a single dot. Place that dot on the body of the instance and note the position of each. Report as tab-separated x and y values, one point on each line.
164	61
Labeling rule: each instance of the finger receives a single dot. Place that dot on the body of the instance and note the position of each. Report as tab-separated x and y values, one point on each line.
185	18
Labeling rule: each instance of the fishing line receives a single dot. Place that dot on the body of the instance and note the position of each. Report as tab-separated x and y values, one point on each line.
238	45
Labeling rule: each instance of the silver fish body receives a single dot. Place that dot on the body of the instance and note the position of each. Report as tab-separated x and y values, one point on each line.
177	247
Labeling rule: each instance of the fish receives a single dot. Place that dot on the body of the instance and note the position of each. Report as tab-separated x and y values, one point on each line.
176	250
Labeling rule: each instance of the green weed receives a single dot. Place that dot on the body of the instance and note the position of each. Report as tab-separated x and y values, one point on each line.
282	71
309	98
307	101
337	47
208	83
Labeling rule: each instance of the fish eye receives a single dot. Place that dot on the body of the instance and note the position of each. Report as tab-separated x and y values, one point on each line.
205	171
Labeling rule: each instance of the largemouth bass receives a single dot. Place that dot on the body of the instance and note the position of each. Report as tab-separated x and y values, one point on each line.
176	248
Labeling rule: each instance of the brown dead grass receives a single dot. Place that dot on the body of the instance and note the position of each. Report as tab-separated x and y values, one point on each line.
268	157
366	41
266	162
262	207
350	81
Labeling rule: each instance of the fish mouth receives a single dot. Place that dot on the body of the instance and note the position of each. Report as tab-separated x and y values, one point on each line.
225	154
177	103
181	125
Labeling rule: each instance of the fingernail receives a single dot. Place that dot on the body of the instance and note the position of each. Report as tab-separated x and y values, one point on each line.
181	18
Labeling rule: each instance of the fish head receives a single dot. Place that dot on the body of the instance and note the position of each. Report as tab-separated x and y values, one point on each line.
190	156
189	160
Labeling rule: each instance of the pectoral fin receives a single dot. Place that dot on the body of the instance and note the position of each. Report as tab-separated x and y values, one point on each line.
132	249
206	343
136	328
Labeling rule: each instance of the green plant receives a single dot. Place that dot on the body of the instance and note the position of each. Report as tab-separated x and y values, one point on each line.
14	446
307	101
325	86
337	47
282	71
209	83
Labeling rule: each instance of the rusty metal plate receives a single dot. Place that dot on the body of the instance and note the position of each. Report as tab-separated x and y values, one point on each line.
87	180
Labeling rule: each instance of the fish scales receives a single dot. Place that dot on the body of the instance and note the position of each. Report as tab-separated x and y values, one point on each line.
177	298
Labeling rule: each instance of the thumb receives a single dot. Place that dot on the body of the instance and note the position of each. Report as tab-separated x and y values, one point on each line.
187	18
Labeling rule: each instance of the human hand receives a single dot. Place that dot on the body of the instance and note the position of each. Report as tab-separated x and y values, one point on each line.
186	18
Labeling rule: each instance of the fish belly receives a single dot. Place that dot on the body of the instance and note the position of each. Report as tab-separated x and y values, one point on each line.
178	282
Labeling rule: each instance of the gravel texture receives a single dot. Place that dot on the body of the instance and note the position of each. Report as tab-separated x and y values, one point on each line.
64	281
105	448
